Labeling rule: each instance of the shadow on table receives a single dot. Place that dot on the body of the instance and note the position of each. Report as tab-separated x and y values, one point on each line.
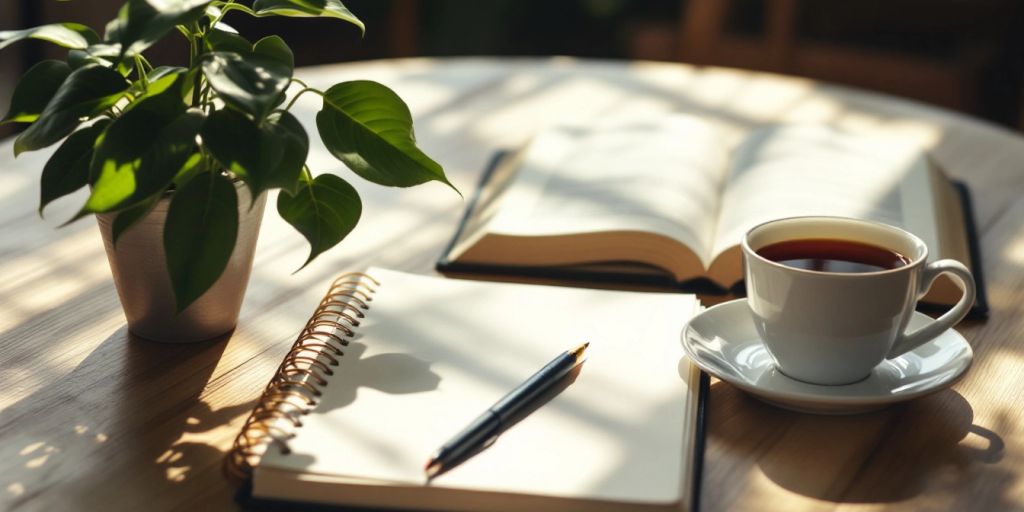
895	454
141	421
178	374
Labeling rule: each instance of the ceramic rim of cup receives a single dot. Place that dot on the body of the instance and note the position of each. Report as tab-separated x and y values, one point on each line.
919	245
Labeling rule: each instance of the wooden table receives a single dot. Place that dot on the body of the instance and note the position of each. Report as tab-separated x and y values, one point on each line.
92	418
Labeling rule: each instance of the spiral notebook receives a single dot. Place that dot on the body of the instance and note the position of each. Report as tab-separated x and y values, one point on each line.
392	364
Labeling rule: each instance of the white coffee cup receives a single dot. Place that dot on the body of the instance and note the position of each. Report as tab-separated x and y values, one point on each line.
834	328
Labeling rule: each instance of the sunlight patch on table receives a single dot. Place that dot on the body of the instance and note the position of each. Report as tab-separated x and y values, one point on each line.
21	382
764	98
37	454
178	473
15	188
814	109
545	101
37	461
63	355
998	367
68	268
31	448
1014	252
386	234
169	456
662	72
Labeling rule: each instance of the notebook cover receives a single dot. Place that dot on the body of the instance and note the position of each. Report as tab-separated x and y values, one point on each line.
596	276
344	286
245	498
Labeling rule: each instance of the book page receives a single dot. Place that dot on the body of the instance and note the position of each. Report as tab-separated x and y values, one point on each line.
817	170
434	353
662	176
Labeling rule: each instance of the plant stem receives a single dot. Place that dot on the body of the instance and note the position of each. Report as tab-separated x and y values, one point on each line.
296	97
195	40
144	61
224	10
141	71
206	97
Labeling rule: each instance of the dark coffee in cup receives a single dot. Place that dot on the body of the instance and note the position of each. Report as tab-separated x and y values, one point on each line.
833	255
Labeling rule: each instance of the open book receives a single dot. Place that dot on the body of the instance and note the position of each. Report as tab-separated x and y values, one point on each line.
672	197
430	354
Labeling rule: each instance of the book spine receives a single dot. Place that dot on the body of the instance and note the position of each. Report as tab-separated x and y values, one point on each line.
296	385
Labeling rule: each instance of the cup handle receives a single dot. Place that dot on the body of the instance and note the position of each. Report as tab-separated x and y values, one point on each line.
910	341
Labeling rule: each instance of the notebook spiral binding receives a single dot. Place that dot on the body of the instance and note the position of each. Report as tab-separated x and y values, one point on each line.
295	387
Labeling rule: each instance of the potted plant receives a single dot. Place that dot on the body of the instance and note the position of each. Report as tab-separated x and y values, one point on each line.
178	160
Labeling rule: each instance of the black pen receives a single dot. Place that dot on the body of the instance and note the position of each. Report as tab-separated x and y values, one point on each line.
488	425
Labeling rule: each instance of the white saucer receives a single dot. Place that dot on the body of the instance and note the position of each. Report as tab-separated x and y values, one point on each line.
722	341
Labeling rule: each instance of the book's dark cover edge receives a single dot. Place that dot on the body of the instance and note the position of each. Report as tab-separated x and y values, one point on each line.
571	275
703	396
247	501
444	262
980	309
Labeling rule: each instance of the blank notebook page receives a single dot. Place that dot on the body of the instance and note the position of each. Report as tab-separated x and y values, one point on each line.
434	353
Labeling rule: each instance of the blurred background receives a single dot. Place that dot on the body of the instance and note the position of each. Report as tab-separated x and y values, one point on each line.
965	55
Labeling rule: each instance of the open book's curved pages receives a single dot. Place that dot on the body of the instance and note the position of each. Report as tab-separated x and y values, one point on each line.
670	197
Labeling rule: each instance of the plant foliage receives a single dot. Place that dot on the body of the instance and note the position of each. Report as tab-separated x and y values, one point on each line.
135	133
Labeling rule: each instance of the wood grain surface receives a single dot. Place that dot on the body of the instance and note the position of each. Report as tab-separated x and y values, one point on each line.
92	418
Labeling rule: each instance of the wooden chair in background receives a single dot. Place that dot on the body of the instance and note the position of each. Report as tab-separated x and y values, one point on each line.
953	80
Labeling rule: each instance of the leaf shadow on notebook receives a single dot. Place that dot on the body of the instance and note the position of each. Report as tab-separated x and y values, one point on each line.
379	372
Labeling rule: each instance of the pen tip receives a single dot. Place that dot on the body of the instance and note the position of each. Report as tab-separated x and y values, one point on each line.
432	468
578	351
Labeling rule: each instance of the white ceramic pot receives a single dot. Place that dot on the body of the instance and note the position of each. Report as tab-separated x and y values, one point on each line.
140	274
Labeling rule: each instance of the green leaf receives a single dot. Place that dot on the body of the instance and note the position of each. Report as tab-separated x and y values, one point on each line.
138	156
35	89
68	35
213	13
274	49
221	41
367	126
140	23
140	152
87	92
306	9
102	54
193	165
126	218
68	169
264	156
162	71
253	82
324	210
239	7
163	93
199	236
